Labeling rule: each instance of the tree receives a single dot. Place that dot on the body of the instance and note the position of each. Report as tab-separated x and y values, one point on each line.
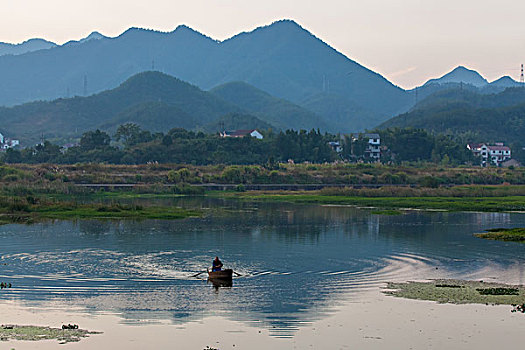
92	140
131	134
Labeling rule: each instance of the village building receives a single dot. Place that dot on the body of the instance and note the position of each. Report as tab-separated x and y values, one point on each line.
6	143
242	133
373	147
491	154
336	146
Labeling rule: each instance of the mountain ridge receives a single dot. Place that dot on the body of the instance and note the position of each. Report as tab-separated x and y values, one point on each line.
283	59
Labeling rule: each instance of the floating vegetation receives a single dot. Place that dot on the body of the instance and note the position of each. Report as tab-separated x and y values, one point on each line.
459	292
34	333
504	234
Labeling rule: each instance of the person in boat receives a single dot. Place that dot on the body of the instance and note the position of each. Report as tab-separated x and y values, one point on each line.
216	264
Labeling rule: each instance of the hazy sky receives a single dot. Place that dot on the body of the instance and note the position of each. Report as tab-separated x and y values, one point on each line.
407	41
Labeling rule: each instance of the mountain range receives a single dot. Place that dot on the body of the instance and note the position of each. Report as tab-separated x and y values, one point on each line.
282	59
281	75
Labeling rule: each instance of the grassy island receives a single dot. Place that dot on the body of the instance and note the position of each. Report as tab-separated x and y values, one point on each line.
504	234
468	203
459	292
34	333
18	211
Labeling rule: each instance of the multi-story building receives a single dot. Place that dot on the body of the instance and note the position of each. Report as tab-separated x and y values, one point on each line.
491	154
373	145
373	149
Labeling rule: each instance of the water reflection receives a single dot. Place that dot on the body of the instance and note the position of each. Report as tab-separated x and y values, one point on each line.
297	261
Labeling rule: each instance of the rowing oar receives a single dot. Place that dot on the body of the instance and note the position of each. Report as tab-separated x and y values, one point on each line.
199	273
238	274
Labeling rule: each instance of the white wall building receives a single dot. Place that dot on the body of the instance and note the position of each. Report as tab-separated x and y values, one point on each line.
491	154
373	147
6	143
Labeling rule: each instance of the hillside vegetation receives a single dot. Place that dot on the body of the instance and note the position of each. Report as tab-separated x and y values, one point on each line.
472	116
279	112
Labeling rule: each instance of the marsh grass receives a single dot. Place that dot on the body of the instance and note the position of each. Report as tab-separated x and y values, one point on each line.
24	212
35	333
504	234
459	292
511	203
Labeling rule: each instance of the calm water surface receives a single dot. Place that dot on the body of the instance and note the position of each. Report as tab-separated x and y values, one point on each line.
298	262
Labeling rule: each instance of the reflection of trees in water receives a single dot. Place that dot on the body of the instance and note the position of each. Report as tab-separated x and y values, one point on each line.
95	227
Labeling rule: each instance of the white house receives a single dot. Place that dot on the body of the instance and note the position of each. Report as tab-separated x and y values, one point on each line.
6	143
243	133
374	146
491	154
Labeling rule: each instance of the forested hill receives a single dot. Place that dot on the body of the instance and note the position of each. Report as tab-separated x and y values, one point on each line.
277	111
482	118
156	102
151	99
282	59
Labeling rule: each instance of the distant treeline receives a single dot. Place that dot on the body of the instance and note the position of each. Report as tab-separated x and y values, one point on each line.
132	145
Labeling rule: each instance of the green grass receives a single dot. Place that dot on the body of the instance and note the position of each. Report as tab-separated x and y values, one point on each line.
504	234
511	203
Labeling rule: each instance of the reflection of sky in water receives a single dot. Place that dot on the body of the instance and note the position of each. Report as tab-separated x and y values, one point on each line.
296	261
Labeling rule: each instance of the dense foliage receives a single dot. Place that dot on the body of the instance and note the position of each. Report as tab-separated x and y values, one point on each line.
181	146
133	145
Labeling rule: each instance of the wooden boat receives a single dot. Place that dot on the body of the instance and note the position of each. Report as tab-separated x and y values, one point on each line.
223	275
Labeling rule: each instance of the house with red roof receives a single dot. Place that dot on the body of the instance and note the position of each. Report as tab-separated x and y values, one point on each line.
243	133
491	154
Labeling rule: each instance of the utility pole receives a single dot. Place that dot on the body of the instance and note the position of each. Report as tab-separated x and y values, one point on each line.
85	85
522	79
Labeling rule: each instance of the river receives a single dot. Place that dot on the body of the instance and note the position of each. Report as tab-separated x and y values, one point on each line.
299	264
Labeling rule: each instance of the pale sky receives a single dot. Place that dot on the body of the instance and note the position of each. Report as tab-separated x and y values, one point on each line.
407	41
